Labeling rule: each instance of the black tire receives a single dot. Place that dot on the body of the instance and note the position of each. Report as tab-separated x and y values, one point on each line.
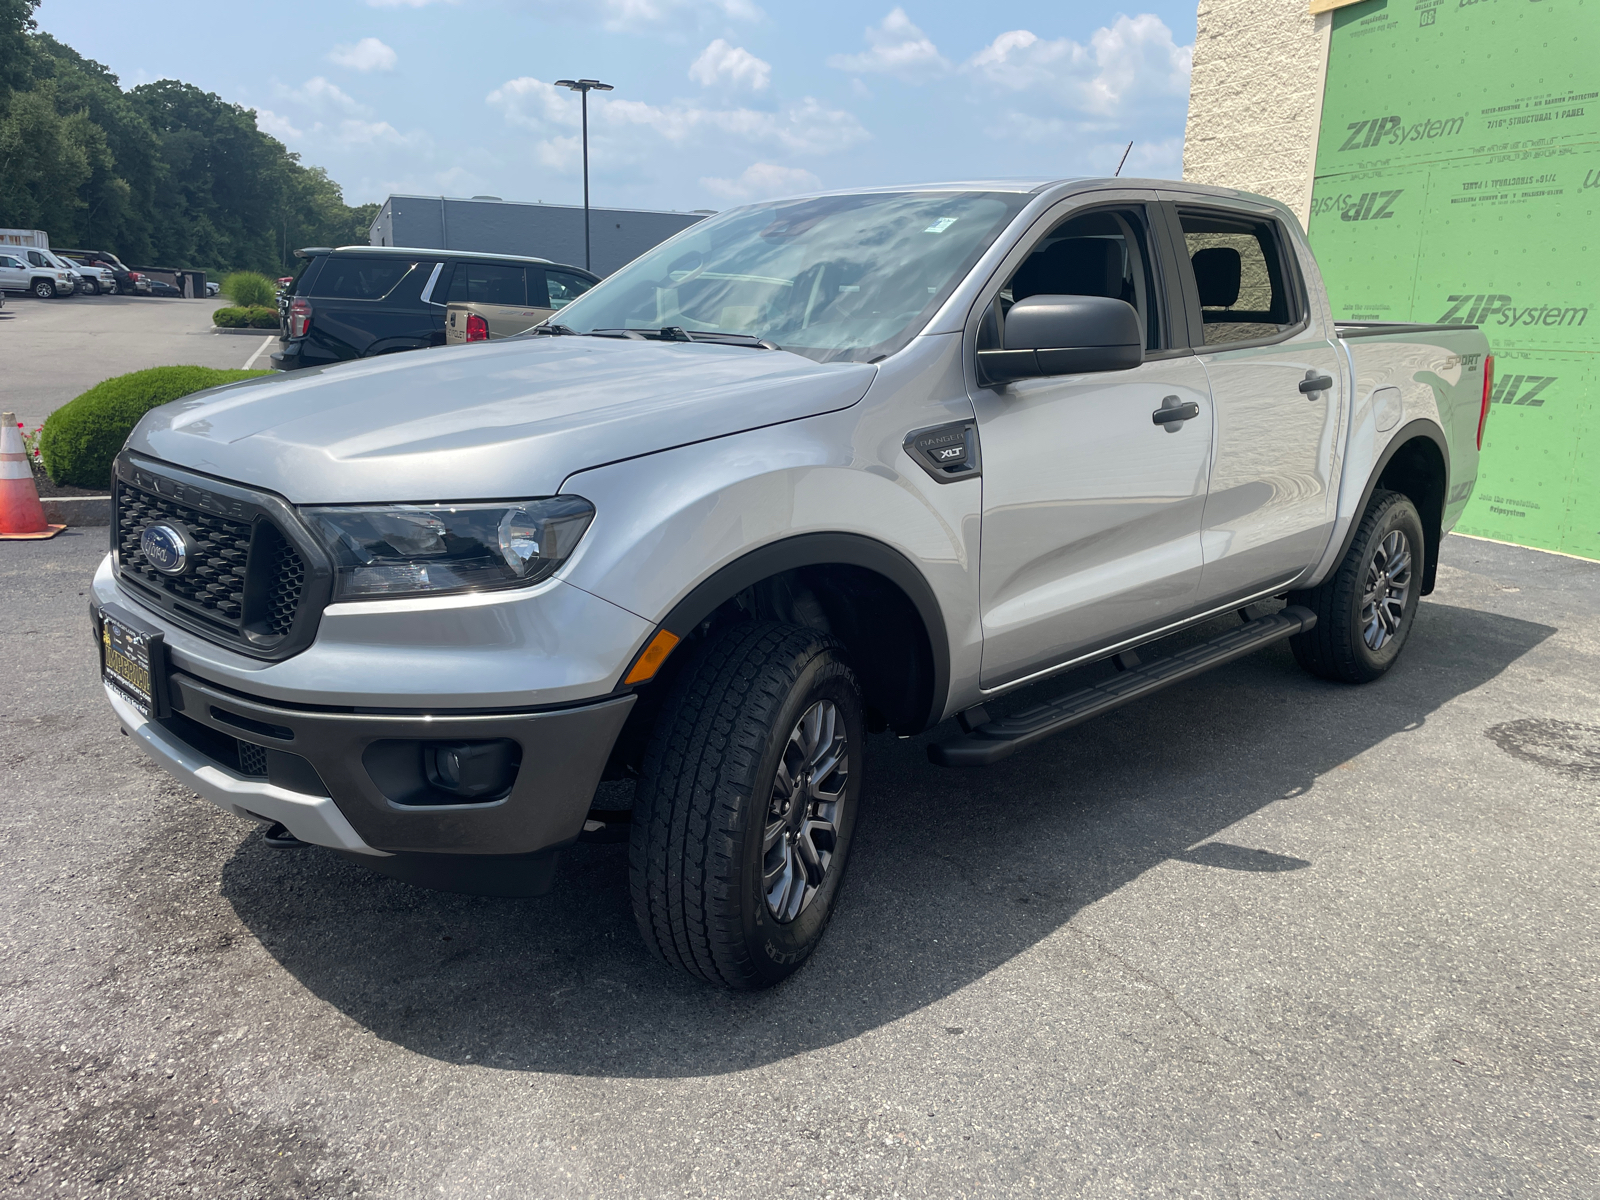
705	806
44	289
1357	639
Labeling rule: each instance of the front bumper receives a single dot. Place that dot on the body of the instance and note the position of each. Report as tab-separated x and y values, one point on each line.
353	779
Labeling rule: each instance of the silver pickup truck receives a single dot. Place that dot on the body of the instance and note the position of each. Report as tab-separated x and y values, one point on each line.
812	470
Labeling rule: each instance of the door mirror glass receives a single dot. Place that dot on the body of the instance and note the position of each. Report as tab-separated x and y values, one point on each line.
1065	335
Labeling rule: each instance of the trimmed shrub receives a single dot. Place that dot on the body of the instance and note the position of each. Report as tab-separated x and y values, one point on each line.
82	437
248	289
263	318
231	318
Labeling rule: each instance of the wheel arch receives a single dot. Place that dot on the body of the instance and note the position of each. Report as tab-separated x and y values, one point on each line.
1416	463
863	591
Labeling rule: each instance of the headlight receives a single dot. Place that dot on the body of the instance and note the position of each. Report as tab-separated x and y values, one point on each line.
415	550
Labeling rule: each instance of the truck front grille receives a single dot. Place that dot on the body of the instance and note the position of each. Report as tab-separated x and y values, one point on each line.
212	589
246	582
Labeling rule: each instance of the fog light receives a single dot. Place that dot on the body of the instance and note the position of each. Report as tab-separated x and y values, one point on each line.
472	770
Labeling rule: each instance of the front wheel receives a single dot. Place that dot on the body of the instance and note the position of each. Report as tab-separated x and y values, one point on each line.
44	289
1366	608
746	805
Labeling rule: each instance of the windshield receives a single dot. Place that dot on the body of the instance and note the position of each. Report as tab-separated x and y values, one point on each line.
830	277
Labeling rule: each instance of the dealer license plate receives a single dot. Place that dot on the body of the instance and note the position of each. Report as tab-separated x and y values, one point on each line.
132	661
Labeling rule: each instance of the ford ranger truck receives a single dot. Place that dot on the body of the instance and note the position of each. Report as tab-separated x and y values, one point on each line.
812	470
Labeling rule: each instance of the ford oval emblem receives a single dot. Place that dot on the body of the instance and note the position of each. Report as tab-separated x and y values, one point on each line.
165	549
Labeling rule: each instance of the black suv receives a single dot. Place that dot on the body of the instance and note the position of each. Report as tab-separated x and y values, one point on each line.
127	280
361	301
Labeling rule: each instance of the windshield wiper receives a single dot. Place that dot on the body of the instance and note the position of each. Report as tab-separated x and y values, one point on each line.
551	331
677	333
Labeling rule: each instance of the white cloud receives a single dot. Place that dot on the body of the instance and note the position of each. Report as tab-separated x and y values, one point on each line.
320	95
1132	64
366	133
623	130
721	63
629	16
277	126
895	47
762	181
369	54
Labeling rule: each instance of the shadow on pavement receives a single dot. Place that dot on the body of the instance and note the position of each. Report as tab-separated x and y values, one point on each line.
954	873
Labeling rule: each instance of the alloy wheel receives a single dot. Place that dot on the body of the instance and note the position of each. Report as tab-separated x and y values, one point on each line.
1383	603
803	816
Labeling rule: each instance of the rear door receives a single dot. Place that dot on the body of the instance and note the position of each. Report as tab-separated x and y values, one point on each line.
1276	378
1091	510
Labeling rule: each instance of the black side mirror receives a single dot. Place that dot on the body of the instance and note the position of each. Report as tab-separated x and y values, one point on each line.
1065	335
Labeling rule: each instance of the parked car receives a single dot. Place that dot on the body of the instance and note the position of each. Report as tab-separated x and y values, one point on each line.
129	282
488	301
27	270
361	301
724	520
160	287
93	279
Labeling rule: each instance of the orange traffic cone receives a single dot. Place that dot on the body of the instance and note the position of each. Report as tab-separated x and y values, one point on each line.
21	514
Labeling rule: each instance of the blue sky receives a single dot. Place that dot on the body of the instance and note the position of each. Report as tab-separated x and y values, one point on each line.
716	101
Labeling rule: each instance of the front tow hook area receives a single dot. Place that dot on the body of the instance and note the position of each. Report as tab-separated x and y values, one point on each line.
277	836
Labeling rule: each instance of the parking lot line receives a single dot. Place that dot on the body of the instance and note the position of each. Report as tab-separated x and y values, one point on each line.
260	350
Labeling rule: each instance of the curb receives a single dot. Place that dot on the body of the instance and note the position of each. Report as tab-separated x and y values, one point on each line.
77	510
247	331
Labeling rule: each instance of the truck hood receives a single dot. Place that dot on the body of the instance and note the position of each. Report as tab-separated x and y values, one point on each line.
504	420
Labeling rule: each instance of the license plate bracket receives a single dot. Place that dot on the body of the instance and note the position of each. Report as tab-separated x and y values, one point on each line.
133	661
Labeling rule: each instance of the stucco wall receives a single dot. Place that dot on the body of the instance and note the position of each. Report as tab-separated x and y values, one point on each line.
1255	98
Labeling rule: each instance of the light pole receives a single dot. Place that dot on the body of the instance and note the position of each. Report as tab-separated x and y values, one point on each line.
585	86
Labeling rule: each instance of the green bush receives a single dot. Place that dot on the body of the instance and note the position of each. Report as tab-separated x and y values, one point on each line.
257	317
82	437
248	289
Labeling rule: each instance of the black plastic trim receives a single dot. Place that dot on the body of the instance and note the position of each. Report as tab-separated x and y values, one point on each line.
1406	433
815	550
206	493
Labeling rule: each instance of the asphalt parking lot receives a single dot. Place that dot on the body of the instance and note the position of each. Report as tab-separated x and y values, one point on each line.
58	349
1259	936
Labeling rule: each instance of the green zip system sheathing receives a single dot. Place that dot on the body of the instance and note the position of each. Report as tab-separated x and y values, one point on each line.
1457	178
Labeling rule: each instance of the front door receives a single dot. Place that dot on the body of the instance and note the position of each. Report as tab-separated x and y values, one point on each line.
13	277
1276	376
1091	510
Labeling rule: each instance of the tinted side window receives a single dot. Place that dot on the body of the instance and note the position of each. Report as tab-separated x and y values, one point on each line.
1102	253
359	277
1239	272
488	283
36	258
565	287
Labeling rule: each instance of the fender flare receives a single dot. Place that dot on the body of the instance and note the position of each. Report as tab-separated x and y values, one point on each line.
815	550
1407	433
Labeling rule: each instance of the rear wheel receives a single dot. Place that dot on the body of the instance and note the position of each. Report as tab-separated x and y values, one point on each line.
746	805
44	289
1366	608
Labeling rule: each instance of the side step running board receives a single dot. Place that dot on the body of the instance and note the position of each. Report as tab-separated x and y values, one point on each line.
994	740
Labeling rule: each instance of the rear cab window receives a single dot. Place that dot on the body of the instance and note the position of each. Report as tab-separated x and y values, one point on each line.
1244	275
489	283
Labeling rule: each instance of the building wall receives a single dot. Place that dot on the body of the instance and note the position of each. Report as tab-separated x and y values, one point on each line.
553	231
1255	98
